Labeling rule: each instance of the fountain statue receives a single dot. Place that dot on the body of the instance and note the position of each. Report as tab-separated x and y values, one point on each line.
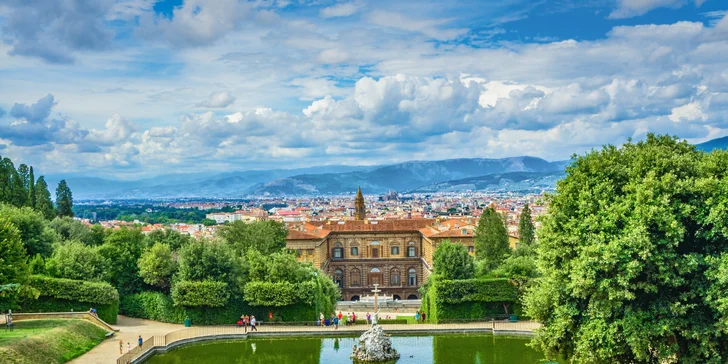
373	345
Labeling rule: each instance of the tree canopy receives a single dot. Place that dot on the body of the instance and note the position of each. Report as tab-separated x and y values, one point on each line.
264	236
36	235
491	239
526	231
156	266
634	257
452	261
64	199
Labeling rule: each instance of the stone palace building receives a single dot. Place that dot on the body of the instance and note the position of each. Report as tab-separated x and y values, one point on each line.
395	254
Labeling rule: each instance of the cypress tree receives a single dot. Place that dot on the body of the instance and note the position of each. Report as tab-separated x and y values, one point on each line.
31	189
64	199
43	201
491	239
526	231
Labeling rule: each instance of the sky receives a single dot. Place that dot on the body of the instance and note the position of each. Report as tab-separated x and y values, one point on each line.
129	89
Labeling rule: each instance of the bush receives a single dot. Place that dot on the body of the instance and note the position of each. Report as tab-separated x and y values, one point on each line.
467	299
158	306
74	260
62	295
270	294
200	293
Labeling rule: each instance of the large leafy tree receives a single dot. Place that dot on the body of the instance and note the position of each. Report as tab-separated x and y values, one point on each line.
70	229
157	265
634	260
452	261
13	260
526	231
35	233
75	260
264	236
122	248
43	201
12	190
64	199
491	239
208	260
174	239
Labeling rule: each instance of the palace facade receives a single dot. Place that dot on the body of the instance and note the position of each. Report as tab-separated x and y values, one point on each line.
395	254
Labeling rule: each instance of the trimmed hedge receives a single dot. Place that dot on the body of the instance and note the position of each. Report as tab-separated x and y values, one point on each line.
276	294
201	293
158	306
467	299
64	295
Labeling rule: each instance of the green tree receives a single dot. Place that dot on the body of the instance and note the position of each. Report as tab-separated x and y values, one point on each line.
209	260
64	199
43	201
264	236
32	198
35	233
526	231
491	239
157	265
173	238
70	229
13	260
75	260
98	234
122	248
37	265
633	256
11	185
452	261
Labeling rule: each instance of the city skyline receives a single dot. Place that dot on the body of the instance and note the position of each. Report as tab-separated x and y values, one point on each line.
131	88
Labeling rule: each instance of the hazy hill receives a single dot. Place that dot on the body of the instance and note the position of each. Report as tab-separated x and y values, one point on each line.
720	143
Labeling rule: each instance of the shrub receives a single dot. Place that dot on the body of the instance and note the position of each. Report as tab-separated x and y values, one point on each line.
270	294
62	295
160	307
157	265
200	293
74	260
467	299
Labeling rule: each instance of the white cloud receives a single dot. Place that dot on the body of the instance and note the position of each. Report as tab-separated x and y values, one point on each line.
220	99
432	28
339	10
632	8
688	112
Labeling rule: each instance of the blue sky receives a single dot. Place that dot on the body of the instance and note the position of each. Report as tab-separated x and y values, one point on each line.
135	88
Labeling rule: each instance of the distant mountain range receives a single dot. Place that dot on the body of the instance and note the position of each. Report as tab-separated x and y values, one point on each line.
524	174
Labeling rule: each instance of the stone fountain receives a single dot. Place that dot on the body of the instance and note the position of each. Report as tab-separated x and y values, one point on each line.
373	346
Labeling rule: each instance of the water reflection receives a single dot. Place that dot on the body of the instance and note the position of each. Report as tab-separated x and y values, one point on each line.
439	349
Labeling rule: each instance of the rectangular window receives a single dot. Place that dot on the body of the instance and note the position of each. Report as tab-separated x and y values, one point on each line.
309	251
395	250
375	252
338	253
299	252
354	251
411	251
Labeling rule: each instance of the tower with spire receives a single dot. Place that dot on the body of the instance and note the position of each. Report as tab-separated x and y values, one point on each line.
360	211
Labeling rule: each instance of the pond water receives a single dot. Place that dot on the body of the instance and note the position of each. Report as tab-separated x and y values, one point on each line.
440	349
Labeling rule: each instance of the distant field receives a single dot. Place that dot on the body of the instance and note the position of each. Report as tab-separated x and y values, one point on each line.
48	341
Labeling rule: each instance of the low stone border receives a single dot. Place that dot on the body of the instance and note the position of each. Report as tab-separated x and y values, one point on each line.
63	315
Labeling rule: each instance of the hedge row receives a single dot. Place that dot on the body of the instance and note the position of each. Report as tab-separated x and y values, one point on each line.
158	306
467	299
201	293
65	295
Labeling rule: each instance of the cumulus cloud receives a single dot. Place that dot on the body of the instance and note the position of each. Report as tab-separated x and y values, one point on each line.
36	112
55	30
220	99
339	10
196	22
632	8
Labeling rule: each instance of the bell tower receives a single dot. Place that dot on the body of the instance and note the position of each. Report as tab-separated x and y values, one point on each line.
360	212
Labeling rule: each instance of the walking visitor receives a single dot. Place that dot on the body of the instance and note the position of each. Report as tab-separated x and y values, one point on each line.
121	346
321	319
253	324
423	317
128	346
417	316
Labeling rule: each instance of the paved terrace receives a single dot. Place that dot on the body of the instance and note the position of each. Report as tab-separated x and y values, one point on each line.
164	341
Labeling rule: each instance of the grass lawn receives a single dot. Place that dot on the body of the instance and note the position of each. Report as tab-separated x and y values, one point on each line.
48	341
410	319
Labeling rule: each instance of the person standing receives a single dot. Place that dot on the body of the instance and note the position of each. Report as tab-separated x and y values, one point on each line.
128	346
140	340
121	346
253	323
340	316
321	319
369	318
423	317
417	317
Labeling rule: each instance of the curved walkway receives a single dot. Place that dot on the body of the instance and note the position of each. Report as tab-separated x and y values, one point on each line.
129	330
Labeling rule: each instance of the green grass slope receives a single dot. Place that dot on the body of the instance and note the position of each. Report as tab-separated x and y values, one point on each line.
48	341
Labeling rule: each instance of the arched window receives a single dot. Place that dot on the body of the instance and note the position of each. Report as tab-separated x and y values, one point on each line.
375	270
395	277
355	298
339	277
374	243
396	297
412	297
412	277
355	278
374	247
338	251
375	276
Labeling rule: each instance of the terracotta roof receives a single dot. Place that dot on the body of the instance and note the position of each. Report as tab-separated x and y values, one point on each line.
375	225
301	235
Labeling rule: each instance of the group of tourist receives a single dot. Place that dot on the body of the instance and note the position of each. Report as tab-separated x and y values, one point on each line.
337	319
246	320
419	316
140	341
